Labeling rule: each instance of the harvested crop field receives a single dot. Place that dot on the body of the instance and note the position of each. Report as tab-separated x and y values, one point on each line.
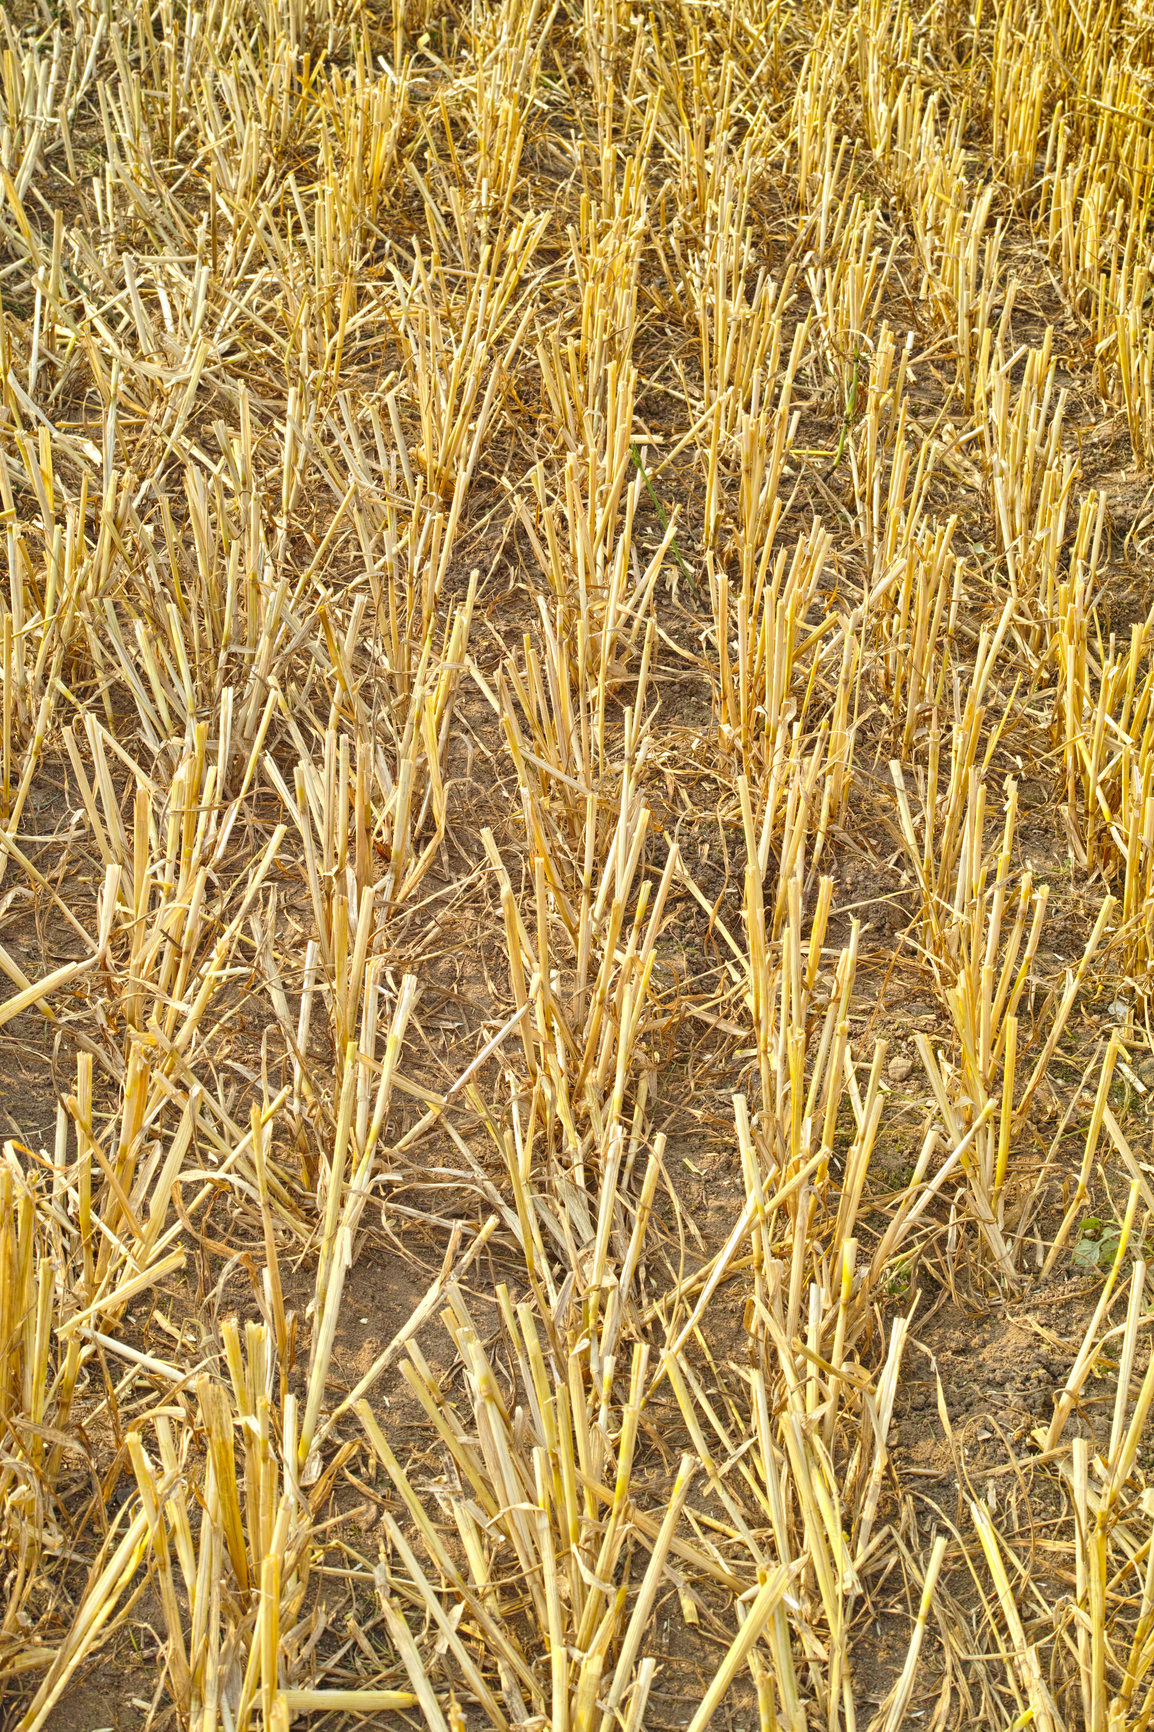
576	866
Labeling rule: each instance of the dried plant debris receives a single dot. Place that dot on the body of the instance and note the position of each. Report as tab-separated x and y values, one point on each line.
576	866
